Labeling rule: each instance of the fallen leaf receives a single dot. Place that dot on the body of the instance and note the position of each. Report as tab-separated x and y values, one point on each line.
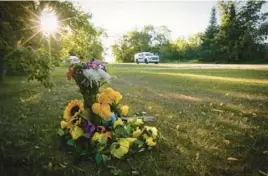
263	173
217	110
141	150
197	155
63	165
227	142
232	159
50	165
177	127
135	173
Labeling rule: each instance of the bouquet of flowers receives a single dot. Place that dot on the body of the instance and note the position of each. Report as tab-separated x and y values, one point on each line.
98	124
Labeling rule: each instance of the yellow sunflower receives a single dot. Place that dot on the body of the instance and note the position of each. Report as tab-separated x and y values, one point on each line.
73	107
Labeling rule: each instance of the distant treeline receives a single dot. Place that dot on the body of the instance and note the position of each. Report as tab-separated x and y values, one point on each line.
238	38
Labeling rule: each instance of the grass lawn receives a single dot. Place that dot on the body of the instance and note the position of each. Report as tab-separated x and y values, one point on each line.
211	122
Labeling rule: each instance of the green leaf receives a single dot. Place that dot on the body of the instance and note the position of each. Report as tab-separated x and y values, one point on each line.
60	132
84	152
70	142
128	128
99	159
139	142
103	139
120	131
105	158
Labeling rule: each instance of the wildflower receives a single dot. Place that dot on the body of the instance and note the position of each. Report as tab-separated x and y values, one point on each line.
150	142
76	132
138	122
124	110
118	122
137	133
120	148
152	130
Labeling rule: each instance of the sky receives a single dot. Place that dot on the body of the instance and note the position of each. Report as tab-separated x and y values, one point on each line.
183	18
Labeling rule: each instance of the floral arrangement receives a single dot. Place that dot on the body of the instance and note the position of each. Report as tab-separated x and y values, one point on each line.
98	125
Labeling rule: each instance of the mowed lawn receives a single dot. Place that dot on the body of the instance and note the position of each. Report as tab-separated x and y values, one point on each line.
211	122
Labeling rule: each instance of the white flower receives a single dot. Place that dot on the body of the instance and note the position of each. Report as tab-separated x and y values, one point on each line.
103	74
91	74
95	75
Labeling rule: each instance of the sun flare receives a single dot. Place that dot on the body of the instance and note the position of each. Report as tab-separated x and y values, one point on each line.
48	21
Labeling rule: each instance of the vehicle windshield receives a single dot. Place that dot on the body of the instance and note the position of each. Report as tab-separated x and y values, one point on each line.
148	54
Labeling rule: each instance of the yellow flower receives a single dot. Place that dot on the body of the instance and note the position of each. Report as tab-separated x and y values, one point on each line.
152	130
124	142
104	98
145	136
105	111
138	122
73	107
96	108
137	133
118	122
130	140
118	97
124	110
63	124
150	142
134	121
96	137
76	132
108	90
130	120
119	150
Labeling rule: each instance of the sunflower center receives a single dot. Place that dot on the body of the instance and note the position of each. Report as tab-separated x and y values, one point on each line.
74	110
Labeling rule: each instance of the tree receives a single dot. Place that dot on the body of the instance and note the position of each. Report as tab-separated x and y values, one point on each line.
25	49
229	33
148	39
209	50
240	38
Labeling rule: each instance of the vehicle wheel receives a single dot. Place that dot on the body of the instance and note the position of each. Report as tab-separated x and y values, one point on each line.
146	61
137	61
156	62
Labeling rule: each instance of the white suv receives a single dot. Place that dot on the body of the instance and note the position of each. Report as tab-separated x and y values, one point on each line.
146	57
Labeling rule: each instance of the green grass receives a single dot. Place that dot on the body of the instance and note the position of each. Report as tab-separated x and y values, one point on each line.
195	115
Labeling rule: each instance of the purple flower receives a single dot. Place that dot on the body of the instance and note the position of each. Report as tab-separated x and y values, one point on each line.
97	62
89	129
94	64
